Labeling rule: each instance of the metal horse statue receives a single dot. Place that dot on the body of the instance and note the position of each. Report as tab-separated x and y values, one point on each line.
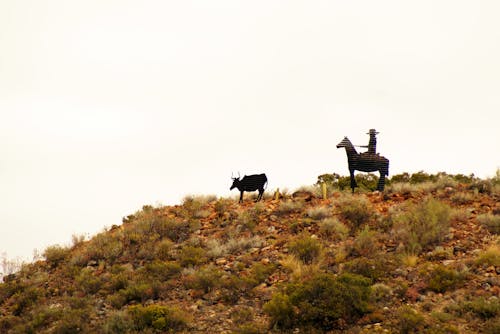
365	162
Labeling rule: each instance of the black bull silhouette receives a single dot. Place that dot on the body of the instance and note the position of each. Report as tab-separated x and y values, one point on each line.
365	162
250	183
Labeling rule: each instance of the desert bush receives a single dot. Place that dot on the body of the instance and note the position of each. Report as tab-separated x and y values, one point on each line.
319	213
191	256
477	307
159	270
442	278
22	300
88	282
259	272
54	255
151	225
462	198
410	321
319	302
72	321
104	246
221	206
243	318
77	240
401	188
492	326
369	268
140	292
422	225
490	221
356	210
194	205
306	248
440	253
117	323
288	207
483	186
281	311
163	249
235	245
421	177
204	279
247	220
399	178
381	292
8	322
489	257
366	243
365	181
162	318
333	229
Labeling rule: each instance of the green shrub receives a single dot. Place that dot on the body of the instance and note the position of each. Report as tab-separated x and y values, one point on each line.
8	322
369	268
204	279
421	177
320	302
88	282
163	249
442	279
104	246
54	255
247	220
159	270
117	323
490	221
356	210
319	213
191	256
135	292
462	198
222	206
489	257
333	229
399	178
365	181
259	272
159	317
24	299
306	248
410	321
288	207
478	307
281	311
366	243
492	326
249	328
422	225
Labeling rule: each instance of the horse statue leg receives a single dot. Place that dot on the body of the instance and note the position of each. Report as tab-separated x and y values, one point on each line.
353	180
381	181
383	172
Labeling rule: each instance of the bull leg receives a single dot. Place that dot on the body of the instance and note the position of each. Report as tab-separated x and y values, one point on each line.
261	192
241	196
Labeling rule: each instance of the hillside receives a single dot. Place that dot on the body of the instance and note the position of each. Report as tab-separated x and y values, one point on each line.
422	257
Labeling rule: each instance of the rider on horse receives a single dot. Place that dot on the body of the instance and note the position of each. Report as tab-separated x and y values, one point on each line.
372	144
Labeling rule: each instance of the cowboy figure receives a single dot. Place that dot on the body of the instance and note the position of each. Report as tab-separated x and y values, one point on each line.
372	144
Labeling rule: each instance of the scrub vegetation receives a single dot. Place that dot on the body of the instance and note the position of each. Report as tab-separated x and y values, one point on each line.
421	257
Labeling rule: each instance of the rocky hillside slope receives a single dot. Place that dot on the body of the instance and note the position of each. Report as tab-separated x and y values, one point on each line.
422	257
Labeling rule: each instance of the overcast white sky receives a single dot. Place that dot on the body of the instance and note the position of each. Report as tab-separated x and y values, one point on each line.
109	105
